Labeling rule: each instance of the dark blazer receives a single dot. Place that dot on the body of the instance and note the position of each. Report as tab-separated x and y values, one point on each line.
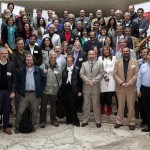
37	53
11	77
76	81
72	38
134	28
18	59
39	78
134	16
82	57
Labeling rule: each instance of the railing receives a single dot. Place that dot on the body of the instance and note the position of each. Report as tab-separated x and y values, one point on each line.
144	43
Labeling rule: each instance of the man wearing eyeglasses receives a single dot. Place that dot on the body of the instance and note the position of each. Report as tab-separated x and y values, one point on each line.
7	87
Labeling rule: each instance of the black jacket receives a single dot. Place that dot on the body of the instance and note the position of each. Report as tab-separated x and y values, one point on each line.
76	81
11	77
37	53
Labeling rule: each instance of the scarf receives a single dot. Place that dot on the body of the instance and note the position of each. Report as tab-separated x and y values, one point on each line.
70	69
11	36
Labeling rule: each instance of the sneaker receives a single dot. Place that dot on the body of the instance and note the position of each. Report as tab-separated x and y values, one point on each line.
42	125
56	124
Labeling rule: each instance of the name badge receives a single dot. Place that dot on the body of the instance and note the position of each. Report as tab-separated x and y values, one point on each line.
55	72
80	59
35	52
36	44
8	74
133	66
85	22
71	39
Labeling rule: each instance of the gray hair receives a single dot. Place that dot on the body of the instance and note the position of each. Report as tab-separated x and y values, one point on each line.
127	14
52	53
3	48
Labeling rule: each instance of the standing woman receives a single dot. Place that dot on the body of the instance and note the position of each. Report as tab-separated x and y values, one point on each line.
72	87
97	51
9	33
47	48
41	27
107	84
112	25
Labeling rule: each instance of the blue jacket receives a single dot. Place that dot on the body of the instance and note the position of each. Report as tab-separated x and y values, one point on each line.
40	81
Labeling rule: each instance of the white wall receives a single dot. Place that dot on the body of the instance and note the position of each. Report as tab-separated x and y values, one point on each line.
16	8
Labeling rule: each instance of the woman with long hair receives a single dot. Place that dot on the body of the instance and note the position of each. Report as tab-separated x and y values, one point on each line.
9	33
84	36
112	25
107	84
26	32
46	47
108	41
41	27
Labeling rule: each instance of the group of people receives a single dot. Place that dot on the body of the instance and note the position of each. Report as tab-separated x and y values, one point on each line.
89	59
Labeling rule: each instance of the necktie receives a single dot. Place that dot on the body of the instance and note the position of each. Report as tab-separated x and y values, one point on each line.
91	66
118	45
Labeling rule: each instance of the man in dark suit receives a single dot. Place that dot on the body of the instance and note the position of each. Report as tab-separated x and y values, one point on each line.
143	23
79	57
92	42
35	50
65	17
7	87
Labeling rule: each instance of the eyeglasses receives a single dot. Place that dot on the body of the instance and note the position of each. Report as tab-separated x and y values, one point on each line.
71	18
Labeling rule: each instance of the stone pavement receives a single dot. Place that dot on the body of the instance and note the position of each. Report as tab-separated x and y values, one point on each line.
68	137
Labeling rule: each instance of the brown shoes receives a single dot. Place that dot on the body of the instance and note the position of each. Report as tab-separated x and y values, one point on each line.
118	125
7	131
84	124
132	127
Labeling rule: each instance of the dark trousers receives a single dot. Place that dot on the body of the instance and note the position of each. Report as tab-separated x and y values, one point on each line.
106	98
145	95
142	112
79	103
70	105
43	109
5	104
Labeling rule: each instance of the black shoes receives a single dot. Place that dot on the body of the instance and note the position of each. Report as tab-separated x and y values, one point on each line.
76	124
42	125
118	125
55	123
98	125
17	131
146	129
132	127
84	124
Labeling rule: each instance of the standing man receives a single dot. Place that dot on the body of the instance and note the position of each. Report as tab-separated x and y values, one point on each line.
141	61
125	75
31	82
131	10
79	57
7	87
91	73
54	75
143	89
